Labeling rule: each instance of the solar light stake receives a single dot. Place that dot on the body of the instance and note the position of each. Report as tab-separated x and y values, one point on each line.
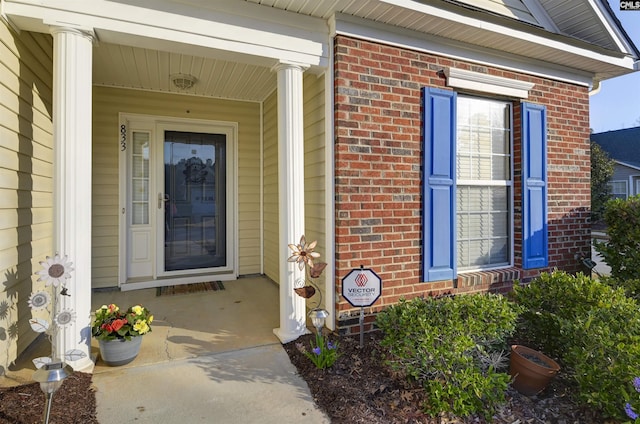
51	377
318	317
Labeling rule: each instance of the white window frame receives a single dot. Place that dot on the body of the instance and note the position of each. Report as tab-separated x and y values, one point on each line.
613	183
494	183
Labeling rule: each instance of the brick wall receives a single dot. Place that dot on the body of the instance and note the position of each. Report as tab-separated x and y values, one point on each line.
378	150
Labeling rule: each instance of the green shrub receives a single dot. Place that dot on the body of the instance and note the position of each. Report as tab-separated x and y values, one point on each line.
455	347
622	251
630	287
591	328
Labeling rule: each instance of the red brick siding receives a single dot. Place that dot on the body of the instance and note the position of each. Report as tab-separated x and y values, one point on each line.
378	154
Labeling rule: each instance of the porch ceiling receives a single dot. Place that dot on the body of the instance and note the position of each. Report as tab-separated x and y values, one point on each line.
146	69
221	77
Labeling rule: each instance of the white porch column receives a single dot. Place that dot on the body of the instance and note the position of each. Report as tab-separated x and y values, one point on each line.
72	64
291	196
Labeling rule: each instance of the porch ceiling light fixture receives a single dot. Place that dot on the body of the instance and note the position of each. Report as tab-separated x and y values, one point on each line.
51	377
183	81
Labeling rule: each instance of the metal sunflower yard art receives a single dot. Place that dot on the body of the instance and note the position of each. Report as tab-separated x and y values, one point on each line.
304	255
323	352
55	272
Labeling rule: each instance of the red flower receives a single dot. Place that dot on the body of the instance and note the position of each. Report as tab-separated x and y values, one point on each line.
117	324
107	327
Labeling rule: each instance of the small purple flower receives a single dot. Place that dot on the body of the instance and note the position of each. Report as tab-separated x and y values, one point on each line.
316	350
636	383
330	346
630	412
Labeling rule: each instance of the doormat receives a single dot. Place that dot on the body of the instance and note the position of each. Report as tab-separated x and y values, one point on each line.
190	288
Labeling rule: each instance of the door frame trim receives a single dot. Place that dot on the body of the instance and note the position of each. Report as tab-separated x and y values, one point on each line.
157	121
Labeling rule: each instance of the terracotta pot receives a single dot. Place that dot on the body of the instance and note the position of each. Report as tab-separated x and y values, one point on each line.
119	352
531	370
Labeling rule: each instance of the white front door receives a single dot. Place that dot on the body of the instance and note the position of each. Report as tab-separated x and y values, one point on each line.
178	215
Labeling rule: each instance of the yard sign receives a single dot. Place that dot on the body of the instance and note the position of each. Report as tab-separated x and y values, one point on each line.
361	287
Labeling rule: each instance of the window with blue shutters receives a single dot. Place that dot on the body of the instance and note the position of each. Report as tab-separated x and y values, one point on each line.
468	196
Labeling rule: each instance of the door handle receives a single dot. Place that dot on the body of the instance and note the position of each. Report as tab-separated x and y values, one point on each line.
160	200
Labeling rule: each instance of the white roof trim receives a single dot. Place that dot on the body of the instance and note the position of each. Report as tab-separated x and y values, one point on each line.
541	15
476	81
511	32
628	165
610	26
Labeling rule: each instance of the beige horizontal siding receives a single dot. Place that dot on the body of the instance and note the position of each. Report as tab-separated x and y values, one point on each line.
270	191
26	174
314	171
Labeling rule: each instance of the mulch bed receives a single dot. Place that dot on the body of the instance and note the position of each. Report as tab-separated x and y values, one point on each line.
360	388
73	403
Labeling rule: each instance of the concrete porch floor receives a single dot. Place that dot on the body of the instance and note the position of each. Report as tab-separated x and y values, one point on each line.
241	316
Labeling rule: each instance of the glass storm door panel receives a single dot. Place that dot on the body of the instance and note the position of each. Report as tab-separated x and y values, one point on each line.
139	229
194	201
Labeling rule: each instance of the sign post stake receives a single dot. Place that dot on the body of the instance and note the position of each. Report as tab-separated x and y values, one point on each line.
361	326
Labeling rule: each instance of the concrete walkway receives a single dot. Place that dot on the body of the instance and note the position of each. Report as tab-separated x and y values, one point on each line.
254	385
601	266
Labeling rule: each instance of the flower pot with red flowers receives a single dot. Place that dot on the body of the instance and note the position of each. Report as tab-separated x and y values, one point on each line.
531	370
119	332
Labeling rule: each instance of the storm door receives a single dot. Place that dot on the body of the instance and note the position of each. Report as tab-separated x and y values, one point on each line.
177	185
194	197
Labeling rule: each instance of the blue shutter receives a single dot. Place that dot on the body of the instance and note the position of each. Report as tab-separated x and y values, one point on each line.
439	185
534	187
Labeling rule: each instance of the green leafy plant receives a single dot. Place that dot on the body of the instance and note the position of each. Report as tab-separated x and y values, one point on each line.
455	347
591	328
111	323
630	287
323	352
622	251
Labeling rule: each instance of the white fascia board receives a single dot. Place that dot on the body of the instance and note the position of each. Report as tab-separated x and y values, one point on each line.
541	15
610	25
362	28
272	38
625	62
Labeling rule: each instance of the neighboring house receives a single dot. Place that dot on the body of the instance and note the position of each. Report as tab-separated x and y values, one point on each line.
443	144
623	146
